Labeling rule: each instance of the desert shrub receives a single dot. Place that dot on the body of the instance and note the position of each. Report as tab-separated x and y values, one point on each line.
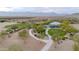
76	38
76	47
17	27
23	35
3	34
15	47
2	20
76	42
9	31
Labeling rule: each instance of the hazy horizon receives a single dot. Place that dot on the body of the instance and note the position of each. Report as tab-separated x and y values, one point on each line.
59	10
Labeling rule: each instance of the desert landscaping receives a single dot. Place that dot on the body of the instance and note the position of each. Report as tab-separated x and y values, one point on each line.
46	35
14	42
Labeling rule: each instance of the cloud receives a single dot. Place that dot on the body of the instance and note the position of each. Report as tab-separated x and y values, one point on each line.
4	9
30	9
41	9
7	9
27	9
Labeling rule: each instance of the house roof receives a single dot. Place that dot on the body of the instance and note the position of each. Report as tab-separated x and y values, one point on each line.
55	23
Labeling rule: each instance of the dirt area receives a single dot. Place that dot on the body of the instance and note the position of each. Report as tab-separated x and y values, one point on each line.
30	44
75	26
66	45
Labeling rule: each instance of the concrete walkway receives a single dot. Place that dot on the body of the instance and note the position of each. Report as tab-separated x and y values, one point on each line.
48	41
32	35
47	46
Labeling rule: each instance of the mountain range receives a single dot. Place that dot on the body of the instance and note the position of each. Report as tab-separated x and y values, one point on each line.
30	14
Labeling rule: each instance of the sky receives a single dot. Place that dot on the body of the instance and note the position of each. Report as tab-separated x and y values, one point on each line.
24	3
39	6
41	9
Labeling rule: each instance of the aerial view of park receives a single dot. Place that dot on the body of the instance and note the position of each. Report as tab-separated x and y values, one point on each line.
39	29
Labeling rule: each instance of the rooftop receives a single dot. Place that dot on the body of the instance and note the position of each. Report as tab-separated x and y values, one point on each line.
55	23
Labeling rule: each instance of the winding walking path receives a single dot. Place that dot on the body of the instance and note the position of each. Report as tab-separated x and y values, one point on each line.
32	35
48	42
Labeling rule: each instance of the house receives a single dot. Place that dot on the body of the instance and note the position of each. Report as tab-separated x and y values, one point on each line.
54	25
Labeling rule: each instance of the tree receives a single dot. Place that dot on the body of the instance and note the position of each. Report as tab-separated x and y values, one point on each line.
67	28
57	35
38	28
45	22
65	25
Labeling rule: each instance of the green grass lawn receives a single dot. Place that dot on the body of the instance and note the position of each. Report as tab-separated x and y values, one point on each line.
56	31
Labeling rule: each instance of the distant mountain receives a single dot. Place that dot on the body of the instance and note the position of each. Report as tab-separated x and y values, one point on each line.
75	13
29	14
